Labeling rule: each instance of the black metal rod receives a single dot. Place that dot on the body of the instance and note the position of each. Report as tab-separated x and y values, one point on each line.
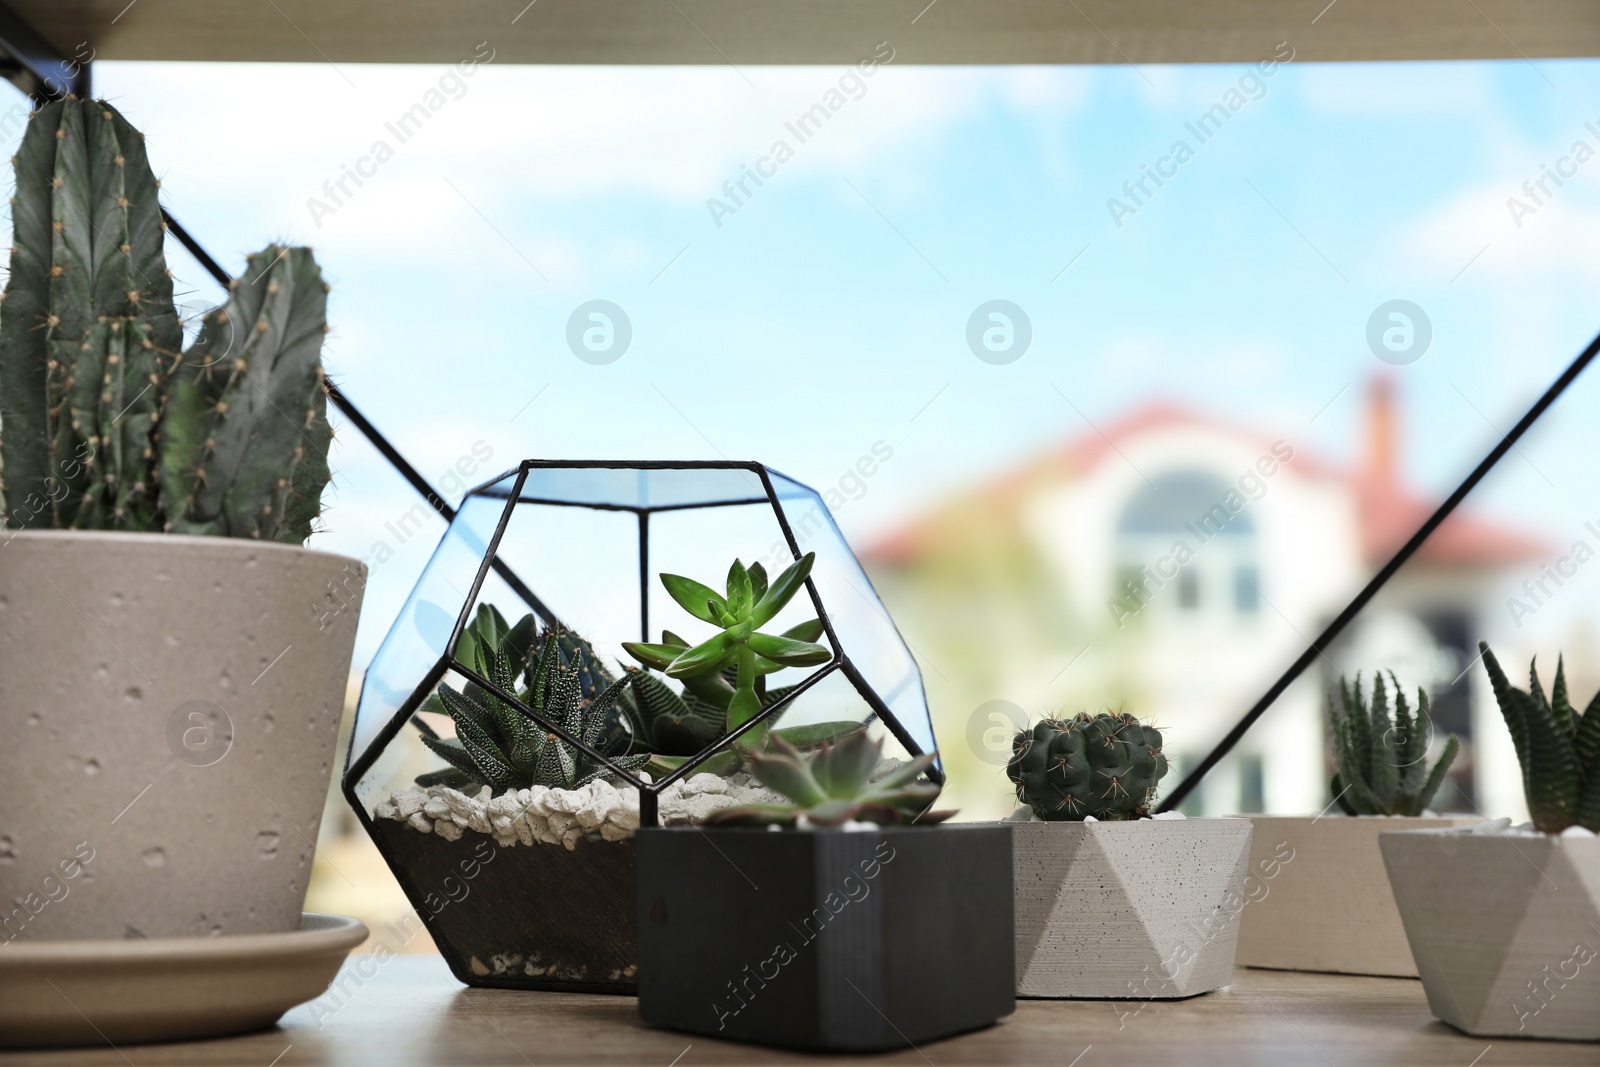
644	576
1409	549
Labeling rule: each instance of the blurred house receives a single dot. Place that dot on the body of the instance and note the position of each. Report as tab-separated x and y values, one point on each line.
1175	564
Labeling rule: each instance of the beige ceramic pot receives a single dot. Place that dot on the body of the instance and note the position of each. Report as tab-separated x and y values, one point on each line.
1505	928
169	707
1139	910
1319	898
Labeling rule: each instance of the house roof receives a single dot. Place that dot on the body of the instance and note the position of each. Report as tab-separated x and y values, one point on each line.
1388	512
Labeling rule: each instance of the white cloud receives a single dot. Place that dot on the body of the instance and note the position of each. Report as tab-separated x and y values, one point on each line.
1397	89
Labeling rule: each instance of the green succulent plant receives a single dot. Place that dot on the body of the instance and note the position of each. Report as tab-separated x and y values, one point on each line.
497	744
1382	758
1105	765
105	424
724	677
834	785
1558	747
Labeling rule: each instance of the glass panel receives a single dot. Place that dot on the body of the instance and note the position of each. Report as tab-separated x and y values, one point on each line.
862	623
622	487
418	637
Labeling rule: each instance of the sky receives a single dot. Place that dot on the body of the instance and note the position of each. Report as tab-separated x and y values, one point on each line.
828	312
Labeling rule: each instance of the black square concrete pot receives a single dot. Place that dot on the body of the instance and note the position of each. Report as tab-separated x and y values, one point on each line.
826	940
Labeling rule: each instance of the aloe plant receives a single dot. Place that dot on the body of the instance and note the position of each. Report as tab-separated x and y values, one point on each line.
834	785
106	424
724	676
1382	758
499	745
1557	746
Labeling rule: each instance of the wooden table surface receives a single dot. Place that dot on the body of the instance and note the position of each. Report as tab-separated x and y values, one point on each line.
412	1012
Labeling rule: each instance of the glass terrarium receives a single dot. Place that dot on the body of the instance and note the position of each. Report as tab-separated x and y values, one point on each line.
573	665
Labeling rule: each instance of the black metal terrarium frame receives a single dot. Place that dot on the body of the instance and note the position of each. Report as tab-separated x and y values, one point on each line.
358	764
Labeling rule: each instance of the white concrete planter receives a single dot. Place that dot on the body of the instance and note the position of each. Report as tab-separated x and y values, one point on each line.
169	708
1124	910
1505	928
1319	895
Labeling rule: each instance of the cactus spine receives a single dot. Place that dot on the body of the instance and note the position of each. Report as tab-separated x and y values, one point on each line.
244	446
88	309
105	425
1102	765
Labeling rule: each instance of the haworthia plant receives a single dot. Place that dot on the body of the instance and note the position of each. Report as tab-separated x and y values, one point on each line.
1558	747
499	745
103	423
1382	757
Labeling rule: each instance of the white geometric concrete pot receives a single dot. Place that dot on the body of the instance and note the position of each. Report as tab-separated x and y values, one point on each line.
1123	910
169	708
1319	897
1505	928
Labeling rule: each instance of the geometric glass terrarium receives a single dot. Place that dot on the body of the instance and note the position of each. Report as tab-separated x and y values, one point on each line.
506	814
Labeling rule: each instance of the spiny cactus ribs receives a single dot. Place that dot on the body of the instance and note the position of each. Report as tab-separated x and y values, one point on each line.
106	425
1104	765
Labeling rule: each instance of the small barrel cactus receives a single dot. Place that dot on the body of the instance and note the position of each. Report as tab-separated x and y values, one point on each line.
1104	765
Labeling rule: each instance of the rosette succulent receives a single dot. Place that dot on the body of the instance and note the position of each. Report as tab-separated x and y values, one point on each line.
724	676
834	785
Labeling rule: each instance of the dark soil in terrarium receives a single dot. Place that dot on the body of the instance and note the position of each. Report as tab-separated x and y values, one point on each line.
522	916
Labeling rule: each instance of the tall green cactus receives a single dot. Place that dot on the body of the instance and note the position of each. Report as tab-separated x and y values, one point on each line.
103	424
244	442
1558	747
88	280
1382	760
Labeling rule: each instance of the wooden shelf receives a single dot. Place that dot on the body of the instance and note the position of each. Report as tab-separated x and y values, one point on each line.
815	31
410	1011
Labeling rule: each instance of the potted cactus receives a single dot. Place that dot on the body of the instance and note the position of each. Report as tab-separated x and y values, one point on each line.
838	918
557	824
175	661
1327	905
1111	901
1504	922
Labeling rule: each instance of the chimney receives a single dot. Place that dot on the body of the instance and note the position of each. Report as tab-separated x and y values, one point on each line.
1383	431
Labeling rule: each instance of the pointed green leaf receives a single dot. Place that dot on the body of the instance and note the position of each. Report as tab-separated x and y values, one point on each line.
710	655
1436	777
810	630
783	589
739	590
782	770
789	652
844	769
758	582
698	600
1560	706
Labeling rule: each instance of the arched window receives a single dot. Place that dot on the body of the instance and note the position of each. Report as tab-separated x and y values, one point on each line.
1186	540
